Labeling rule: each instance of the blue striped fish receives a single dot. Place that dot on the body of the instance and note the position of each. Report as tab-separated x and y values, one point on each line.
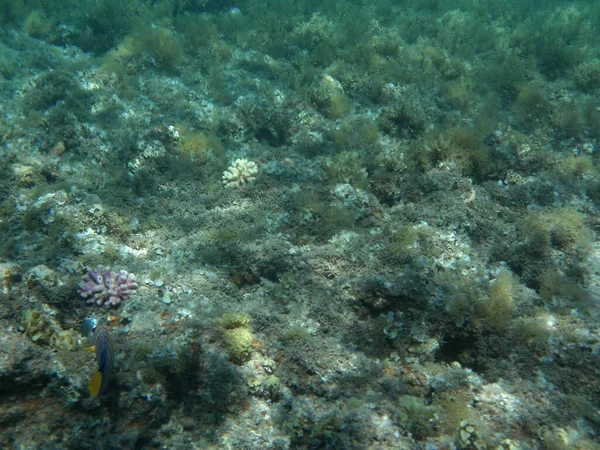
99	382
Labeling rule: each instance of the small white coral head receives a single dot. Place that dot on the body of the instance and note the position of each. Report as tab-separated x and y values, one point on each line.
239	173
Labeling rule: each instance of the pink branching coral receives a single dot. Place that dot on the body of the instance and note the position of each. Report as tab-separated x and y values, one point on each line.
102	286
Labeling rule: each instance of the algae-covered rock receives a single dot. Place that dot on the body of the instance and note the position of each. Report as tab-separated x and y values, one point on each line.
238	342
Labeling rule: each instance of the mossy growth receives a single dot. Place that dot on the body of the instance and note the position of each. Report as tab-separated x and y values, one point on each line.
409	242
110	254
232	320
364	56
200	146
237	336
224	235
161	43
347	167
324	54
498	310
295	333
587	75
329	97
151	375
269	387
62	223
38	24
460	93
141	351
33	218
317	218
555	285
335	219
417	417
531	106
219	85
165	364
463	296
239	344
459	147
405	118
356	132
200	32
568	230
400	239
563	229
568	118
577	166
582	406
455	407
556	55
164	45
101	24
288	281
327	430
52	87
112	222
532	330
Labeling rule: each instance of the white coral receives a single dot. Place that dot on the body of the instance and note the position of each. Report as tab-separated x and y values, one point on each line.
240	173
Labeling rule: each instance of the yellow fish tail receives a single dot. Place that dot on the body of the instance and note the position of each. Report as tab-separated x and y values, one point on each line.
95	384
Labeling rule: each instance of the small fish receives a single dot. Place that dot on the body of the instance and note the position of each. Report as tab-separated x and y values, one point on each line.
87	327
99	382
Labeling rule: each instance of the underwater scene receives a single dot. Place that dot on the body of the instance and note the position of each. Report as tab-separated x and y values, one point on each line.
300	224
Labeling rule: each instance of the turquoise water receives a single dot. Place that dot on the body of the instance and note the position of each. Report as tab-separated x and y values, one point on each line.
303	225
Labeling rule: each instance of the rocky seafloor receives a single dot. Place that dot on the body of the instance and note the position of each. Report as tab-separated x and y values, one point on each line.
351	226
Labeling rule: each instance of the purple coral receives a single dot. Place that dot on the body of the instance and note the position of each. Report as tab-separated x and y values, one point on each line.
102	286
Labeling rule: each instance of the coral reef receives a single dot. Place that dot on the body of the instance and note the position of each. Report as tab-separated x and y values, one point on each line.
354	225
240	173
103	286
